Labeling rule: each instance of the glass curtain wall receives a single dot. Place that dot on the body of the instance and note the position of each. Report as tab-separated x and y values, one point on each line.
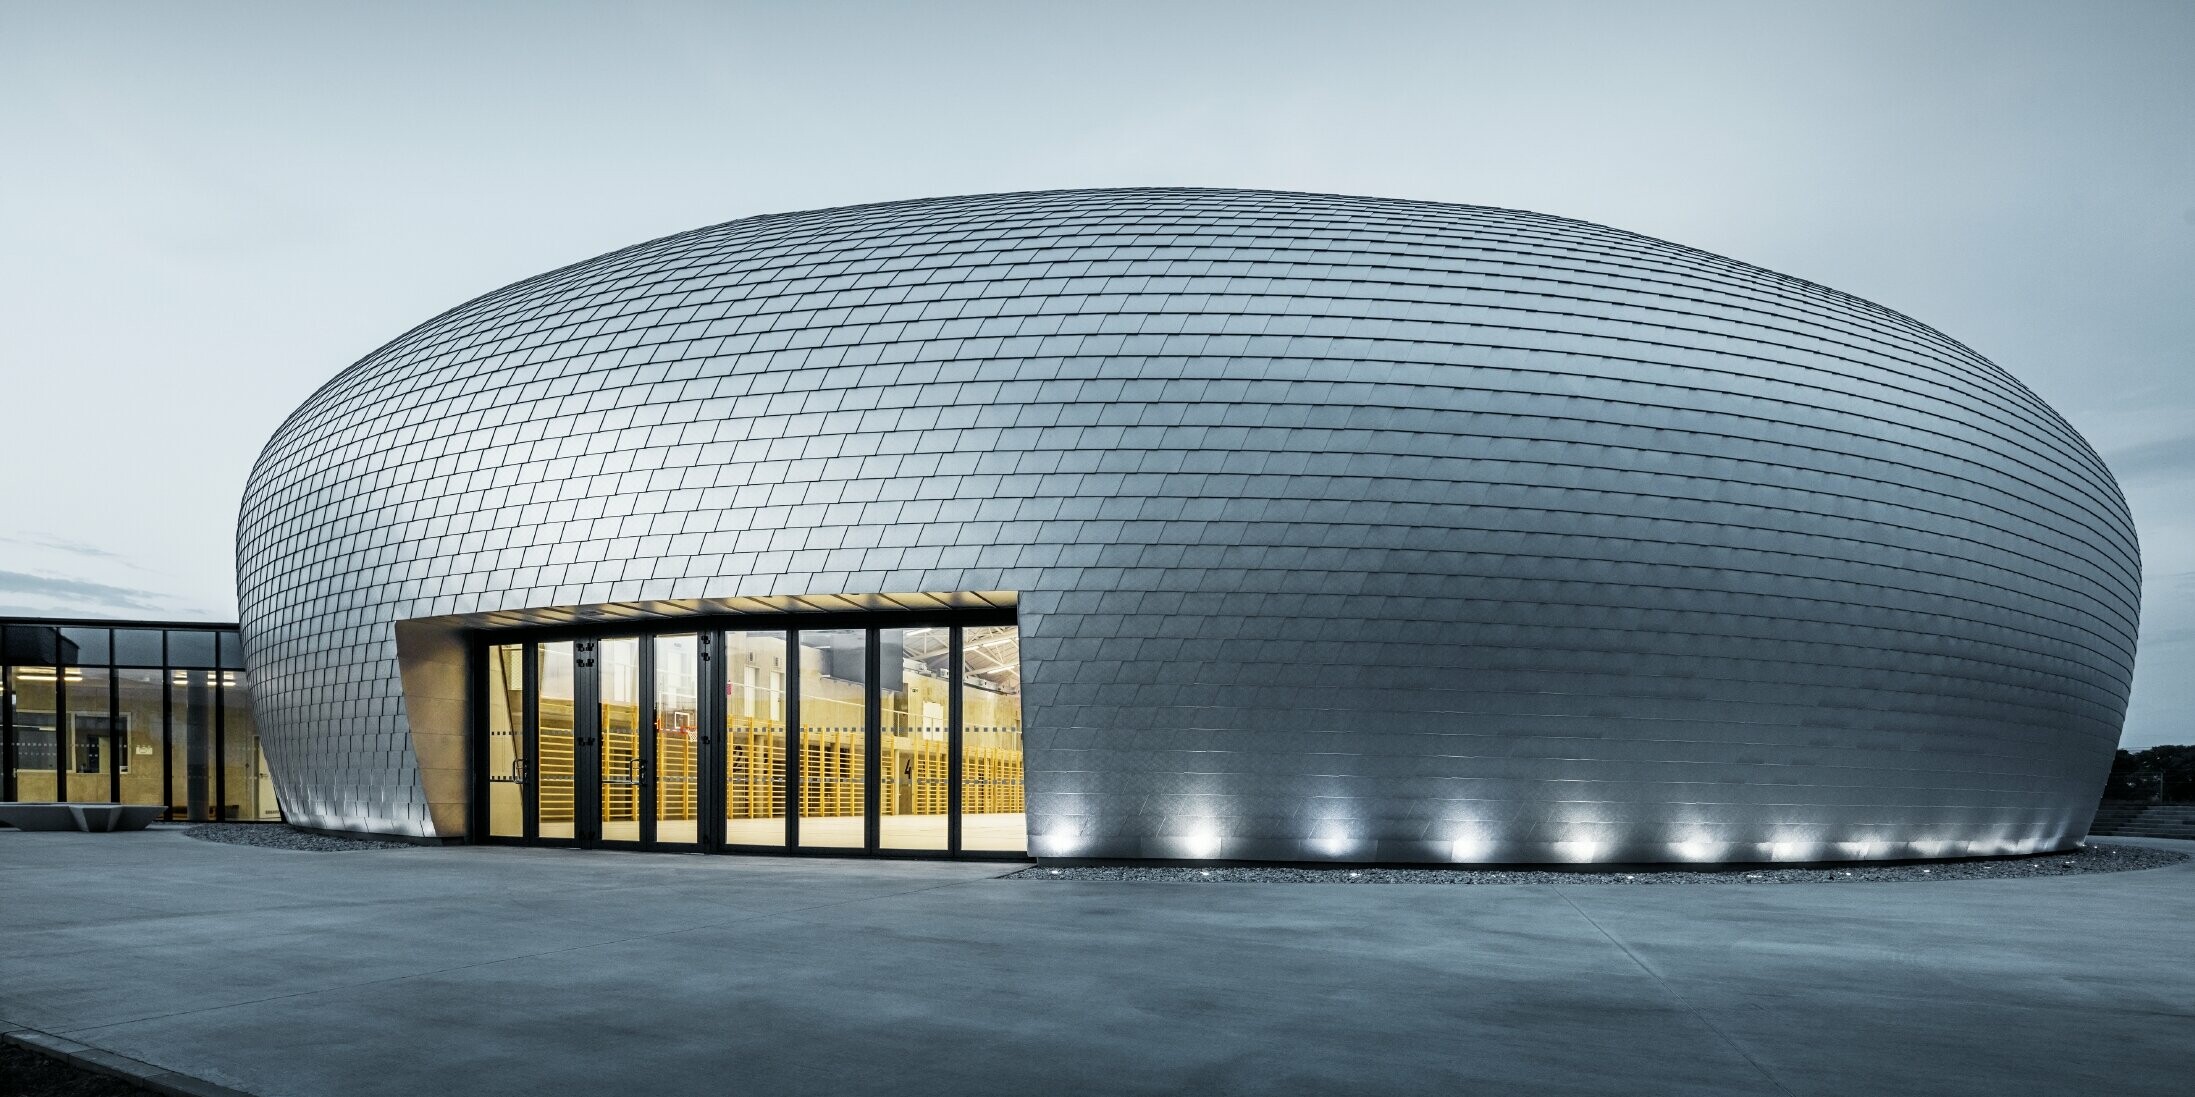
754	738
263	788
505	765
242	775
190	744
138	714
915	749
243	765
194	693
556	752
833	743
676	739
140	705
88	734
883	739
990	740
37	750
618	709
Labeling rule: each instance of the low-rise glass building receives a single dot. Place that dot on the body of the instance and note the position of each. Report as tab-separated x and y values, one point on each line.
130	712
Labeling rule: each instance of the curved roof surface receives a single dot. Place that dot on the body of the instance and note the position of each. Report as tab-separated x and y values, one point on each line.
1507	457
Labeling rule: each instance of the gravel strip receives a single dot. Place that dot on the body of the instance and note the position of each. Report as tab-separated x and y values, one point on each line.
2094	858
282	836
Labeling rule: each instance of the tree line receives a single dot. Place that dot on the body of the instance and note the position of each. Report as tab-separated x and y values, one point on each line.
2159	773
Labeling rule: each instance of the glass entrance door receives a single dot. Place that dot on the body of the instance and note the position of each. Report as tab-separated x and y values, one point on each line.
563	755
674	761
621	776
555	707
640	728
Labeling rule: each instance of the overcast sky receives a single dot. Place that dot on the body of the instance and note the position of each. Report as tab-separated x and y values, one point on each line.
207	209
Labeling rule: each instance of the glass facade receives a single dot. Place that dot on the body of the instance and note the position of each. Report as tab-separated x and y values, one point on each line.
915	750
241	775
755	699
87	695
32	738
900	736
140	701
990	739
193	731
133	713
557	747
504	766
675	738
618	758
834	755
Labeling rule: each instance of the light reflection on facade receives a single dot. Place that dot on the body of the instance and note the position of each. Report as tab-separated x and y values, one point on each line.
1454	523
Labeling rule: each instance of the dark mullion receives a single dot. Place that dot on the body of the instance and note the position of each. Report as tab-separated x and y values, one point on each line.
872	740
115	743
220	740
478	786
529	687
479	714
792	738
952	742
709	717
64	736
647	794
587	743
167	731
7	733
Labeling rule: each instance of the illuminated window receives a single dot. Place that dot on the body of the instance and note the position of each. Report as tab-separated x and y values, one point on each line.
894	727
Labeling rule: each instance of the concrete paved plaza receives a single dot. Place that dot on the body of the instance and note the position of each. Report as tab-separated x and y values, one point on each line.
534	972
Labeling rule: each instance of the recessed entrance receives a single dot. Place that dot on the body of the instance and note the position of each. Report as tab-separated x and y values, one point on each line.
876	734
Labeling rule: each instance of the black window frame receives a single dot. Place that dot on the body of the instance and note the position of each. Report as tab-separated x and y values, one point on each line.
713	675
19	650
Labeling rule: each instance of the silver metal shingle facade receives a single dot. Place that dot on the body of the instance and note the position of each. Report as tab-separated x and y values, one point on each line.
1341	528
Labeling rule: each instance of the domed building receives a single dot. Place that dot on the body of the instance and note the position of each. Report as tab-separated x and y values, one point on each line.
1171	524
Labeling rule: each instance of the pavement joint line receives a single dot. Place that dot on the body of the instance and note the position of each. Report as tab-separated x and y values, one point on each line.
757	916
1674	994
137	1072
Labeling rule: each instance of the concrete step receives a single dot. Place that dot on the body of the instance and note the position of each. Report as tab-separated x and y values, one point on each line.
2137	819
